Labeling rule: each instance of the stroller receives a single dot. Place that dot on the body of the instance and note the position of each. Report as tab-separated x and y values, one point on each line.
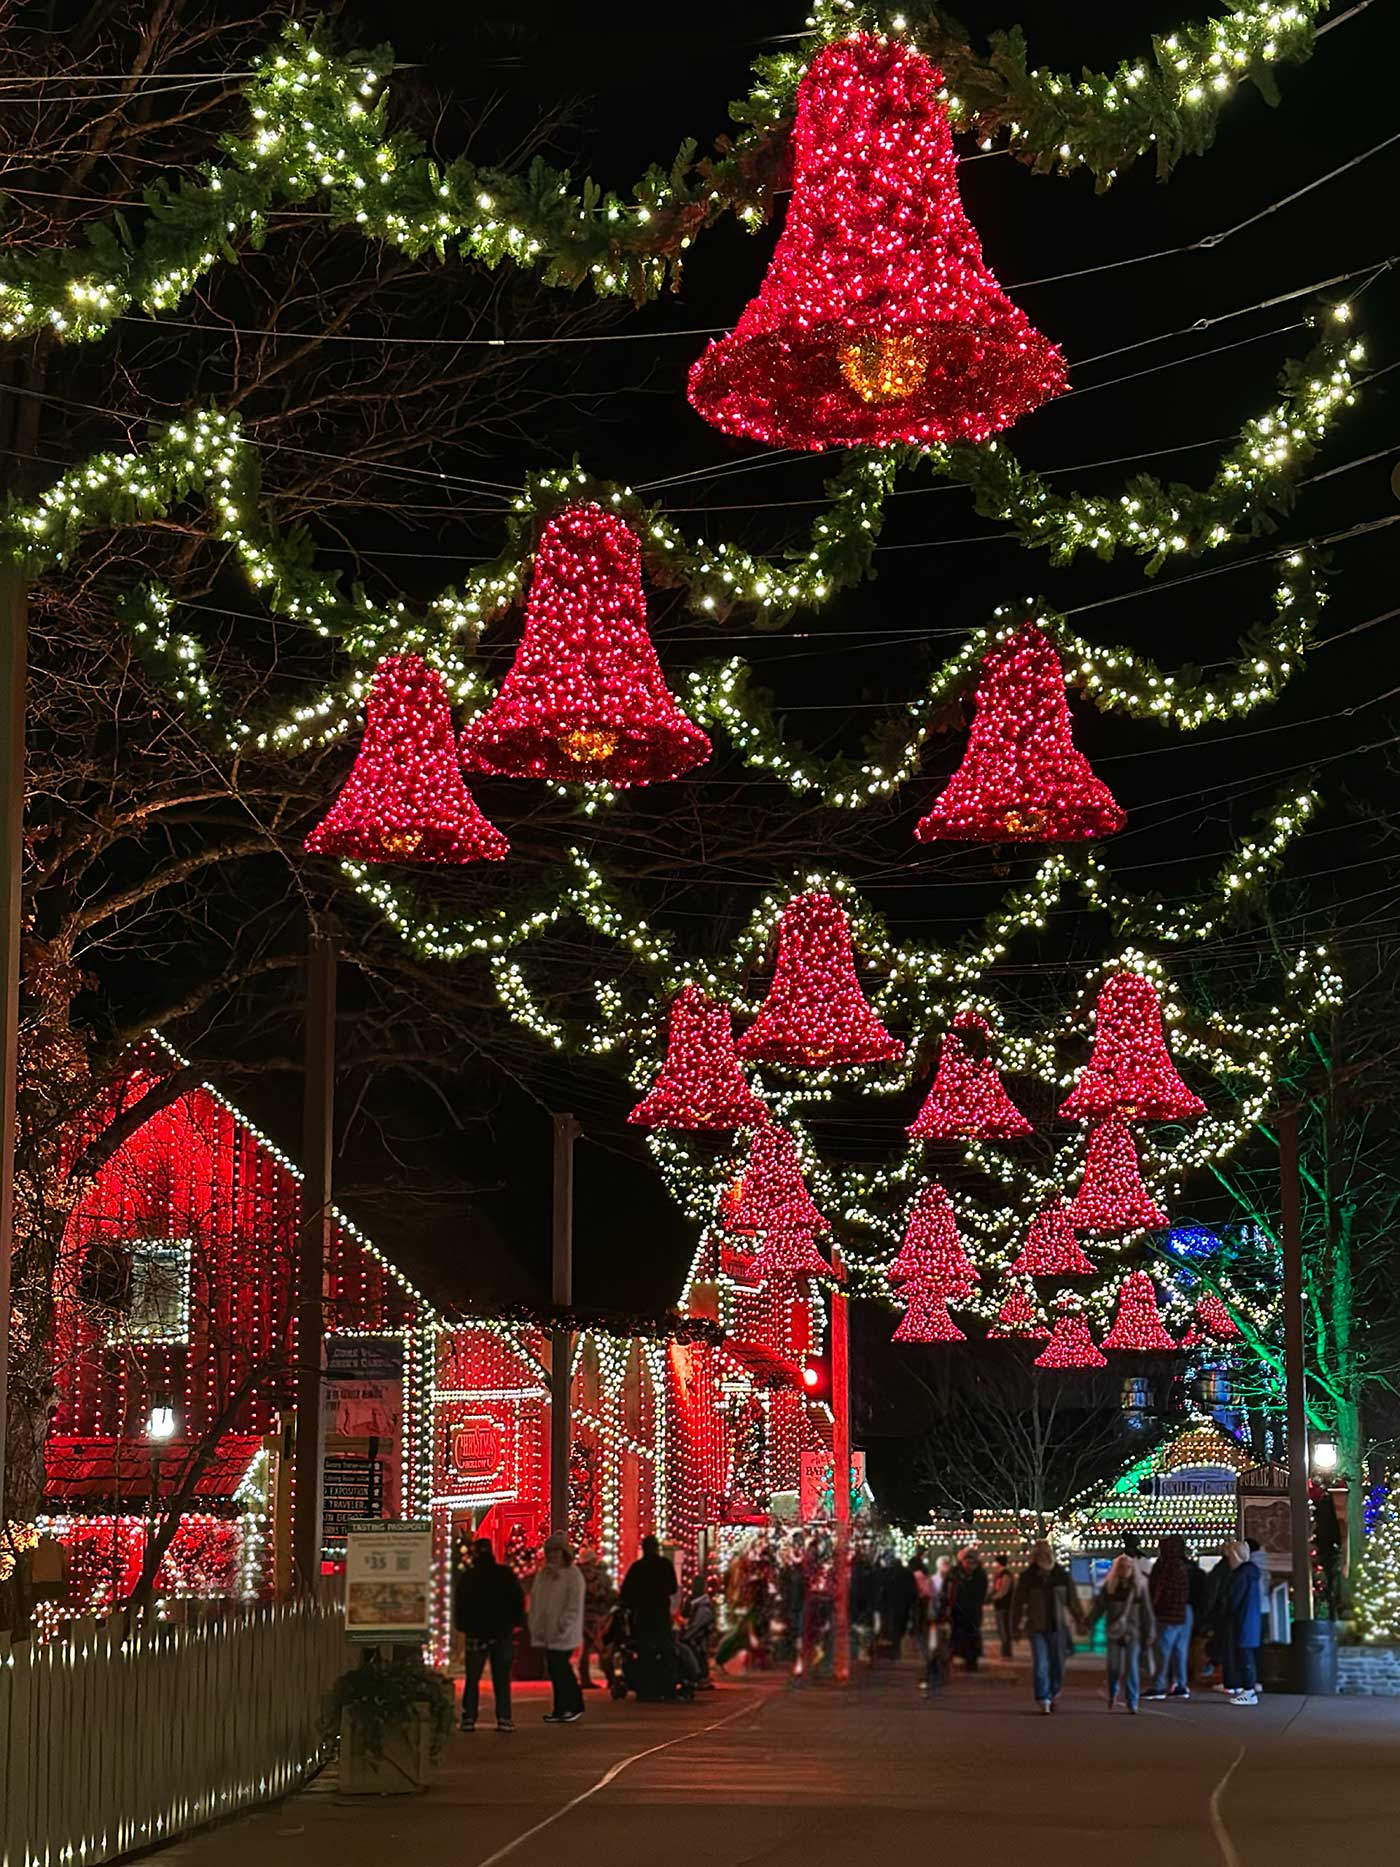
645	1667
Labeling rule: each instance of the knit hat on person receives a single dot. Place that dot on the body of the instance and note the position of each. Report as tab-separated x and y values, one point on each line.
557	1541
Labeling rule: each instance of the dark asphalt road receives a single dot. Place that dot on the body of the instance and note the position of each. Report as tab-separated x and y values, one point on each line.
757	1773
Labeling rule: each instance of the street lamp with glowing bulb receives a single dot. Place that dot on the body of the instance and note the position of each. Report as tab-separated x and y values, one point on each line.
1324	1457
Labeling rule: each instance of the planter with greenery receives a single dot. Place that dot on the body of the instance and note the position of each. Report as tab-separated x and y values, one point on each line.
391	1721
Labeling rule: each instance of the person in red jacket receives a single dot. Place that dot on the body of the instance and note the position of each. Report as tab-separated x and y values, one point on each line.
1169	1588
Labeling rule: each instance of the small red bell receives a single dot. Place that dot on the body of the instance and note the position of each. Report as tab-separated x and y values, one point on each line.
1051	1248
815	1014
789	1257
700	1084
968	1101
932	1252
585	700
1130	1070
1111	1196
772	1195
1070	1345
878	320
1138	1325
1212	1322
927	1320
1022	778
1019	1316
404	800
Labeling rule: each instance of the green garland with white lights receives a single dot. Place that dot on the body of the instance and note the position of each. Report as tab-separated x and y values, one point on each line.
206	455
320	130
920	986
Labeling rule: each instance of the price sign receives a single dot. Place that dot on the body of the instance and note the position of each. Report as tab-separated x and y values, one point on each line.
388	1579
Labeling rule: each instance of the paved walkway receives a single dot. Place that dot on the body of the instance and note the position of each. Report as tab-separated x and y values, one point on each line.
758	1775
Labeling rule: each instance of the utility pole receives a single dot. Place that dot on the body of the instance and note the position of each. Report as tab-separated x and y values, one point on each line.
318	1124
841	1469
1294	1363
14	612
561	1351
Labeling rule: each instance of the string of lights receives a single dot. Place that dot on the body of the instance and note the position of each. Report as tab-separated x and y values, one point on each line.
319	127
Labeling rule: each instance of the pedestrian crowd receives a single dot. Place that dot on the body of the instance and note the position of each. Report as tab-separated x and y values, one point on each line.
1164	1624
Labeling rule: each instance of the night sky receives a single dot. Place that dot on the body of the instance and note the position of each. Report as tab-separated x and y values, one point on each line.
628	83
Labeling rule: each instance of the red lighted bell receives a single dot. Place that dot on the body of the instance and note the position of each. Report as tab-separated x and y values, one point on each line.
815	1014
1130	1070
700	1084
1022	778
1138	1326
771	1196
585	700
404	800
878	320
927	1320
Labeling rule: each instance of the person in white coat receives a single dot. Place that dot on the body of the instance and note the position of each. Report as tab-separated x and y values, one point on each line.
556	1624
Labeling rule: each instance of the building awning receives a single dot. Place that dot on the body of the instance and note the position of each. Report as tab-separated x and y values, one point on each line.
108	1472
766	1368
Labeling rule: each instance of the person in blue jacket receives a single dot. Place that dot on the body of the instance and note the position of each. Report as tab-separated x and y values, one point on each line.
1248	1591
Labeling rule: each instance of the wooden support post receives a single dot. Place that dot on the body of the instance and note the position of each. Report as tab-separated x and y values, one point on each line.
841	1471
561	1356
318	1124
14	610
1295	1366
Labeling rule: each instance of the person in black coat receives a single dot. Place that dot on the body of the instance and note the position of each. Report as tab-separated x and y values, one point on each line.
967	1595
488	1605
648	1590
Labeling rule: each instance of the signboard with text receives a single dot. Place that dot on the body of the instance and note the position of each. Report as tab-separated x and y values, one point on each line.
388	1579
363	1427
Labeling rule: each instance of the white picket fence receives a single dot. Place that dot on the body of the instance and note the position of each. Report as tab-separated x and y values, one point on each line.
110	1743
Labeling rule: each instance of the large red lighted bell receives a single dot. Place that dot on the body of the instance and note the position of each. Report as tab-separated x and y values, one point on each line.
1212	1322
878	320
1022	778
404	800
700	1084
585	700
968	1101
1111	1196
771	1196
815	1014
1130	1071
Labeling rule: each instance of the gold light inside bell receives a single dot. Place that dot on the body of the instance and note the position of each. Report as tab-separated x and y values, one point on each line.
1029	822
402	842
588	745
886	366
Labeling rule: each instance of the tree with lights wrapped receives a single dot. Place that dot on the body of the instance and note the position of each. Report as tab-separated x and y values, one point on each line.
1022	779
1376	1590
